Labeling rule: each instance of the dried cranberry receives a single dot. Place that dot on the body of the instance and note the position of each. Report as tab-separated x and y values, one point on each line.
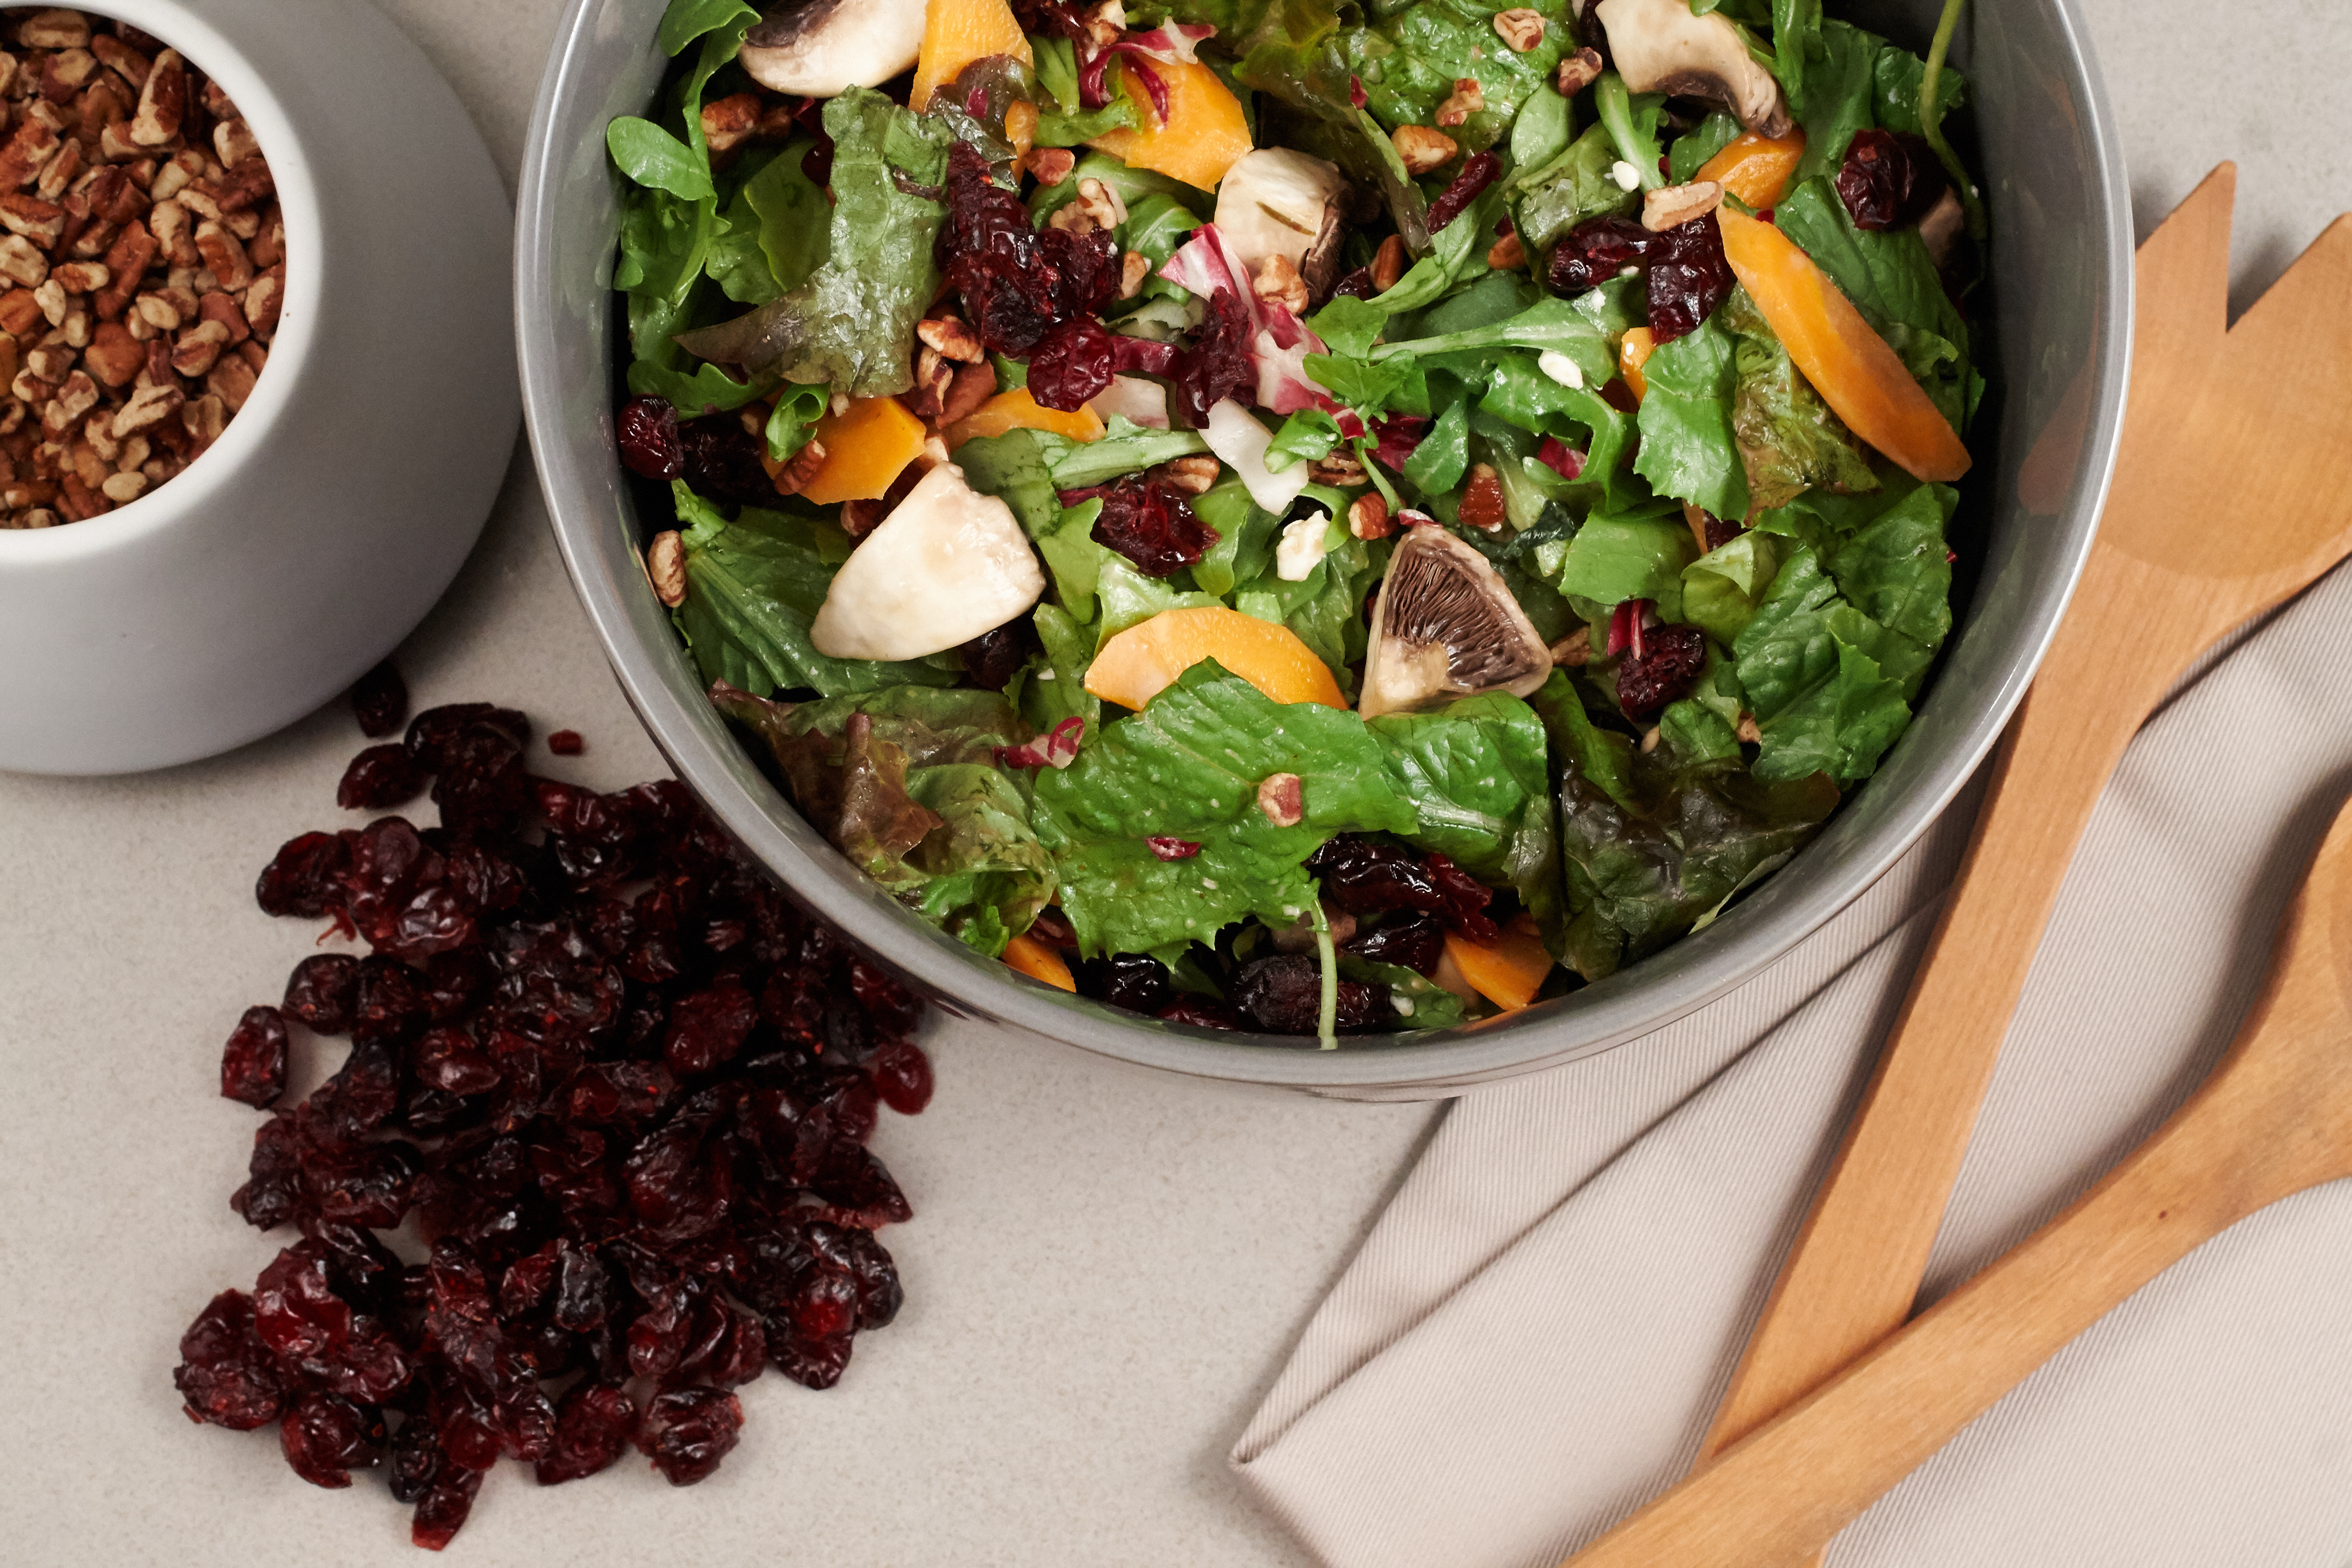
253	1064
902	1076
566	744
226	1375
1362	876
723	460
647	433
1153	526
304	879
689	1431
379	701
1666	666
993	658
591	1430
1204	1012
1216	365
1720	530
1688	277
1356	285
326	1437
1593	252
432	734
708	1026
1051	18
323	991
1086	267
1415	941
1284	996
442	1511
378	779
1889	181
1072	364
1135	981
1478	172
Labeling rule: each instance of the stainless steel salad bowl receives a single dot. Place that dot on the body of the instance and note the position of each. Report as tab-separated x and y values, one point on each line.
2058	311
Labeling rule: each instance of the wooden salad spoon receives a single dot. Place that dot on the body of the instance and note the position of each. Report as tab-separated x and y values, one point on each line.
2229	497
2275	1118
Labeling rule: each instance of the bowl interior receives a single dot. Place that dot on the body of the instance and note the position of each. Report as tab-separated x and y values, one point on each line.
2056	340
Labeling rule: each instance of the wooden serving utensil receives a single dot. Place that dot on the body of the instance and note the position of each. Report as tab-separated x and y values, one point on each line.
2229	497
2275	1118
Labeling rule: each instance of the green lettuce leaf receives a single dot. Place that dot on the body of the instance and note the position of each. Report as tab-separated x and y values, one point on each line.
753	588
1188	767
1893	282
1478	776
1828	683
1722	588
1688	451
1613	559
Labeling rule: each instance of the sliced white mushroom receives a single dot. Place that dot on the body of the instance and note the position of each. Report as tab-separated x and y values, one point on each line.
947	565
1446	626
1276	202
820	47
1659	46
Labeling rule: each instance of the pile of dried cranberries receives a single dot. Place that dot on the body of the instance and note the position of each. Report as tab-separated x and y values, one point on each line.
615	1084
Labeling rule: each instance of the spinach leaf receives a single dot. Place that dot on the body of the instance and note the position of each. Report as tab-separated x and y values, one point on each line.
1895	95
753	587
1541	130
1688	451
1631	120
1693	147
1840	86
653	158
1796	43
687	20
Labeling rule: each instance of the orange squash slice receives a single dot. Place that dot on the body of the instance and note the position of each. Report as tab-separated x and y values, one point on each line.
1144	660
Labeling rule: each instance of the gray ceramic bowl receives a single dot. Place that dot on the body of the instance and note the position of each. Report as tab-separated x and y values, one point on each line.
2060	312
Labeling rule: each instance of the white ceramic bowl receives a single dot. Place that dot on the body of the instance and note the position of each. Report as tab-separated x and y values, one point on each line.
328	518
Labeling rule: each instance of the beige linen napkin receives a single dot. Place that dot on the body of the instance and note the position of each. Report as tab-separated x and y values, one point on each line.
1536	1333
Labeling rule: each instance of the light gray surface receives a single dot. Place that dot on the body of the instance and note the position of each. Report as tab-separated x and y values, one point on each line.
1107	1266
2053	342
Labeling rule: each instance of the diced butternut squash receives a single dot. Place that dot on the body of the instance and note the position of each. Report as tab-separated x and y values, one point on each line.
1756	168
866	447
1144	660
1510	972
1038	962
1852	367
1203	135
1632	352
1016	410
957	32
1021	127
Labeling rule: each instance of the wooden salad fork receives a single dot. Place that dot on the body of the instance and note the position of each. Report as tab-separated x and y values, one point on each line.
2229	497
2275	1118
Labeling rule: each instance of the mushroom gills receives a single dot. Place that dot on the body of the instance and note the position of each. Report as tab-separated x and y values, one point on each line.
1659	46
819	49
1445	627
947	565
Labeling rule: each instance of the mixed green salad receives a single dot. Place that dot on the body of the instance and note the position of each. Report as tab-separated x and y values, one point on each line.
1315	517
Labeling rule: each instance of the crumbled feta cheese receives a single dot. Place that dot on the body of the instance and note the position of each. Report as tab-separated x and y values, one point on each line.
1625	175
1561	368
1402	1003
1045	675
1301	547
1209	883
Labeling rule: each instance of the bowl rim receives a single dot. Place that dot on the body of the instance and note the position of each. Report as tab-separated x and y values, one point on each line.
197	486
1609	1013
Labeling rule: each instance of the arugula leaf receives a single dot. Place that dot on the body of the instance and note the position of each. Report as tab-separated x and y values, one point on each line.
1554	326
1245	536
1420	1003
1688	451
1307	437
687	20
852	323
1056	65
1788	439
1440	459
1126	447
1349	325
708	390
1188	767
794	419
653	158
1632	120
1575	187
753	586
1155	227
1528	398
1063	129
1363	386
1011	467
1135	187
1696	146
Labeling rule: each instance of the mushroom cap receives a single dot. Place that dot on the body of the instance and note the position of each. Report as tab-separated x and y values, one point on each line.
820	49
1659	46
1279	202
947	565
1445	627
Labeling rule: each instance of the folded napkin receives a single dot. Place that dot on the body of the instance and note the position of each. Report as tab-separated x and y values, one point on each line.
1534	1335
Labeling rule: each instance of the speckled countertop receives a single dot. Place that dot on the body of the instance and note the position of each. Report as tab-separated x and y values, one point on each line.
1107	1267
